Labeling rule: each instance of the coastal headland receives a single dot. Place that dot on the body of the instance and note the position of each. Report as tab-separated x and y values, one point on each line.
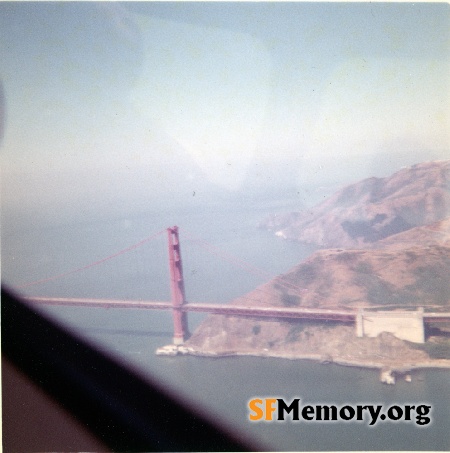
385	246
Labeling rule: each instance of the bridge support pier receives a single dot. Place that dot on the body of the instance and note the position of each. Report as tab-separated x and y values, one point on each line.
177	287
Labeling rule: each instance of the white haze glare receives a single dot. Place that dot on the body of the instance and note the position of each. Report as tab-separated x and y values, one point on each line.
115	109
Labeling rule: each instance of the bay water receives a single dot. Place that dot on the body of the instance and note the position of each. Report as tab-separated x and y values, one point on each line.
224	256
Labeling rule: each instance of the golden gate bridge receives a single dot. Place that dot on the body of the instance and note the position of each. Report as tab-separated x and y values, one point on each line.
180	307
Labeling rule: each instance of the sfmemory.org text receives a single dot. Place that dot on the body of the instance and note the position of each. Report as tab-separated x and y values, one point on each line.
277	409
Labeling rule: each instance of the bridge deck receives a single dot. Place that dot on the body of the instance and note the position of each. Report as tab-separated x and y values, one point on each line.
105	303
278	312
223	309
232	310
436	317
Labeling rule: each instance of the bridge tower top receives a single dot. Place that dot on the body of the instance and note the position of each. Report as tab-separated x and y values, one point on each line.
176	267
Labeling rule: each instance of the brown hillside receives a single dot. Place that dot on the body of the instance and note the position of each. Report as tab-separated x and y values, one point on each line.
416	276
403	223
388	279
373	209
435	233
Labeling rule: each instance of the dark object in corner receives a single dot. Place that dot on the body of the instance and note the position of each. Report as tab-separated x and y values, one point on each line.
122	410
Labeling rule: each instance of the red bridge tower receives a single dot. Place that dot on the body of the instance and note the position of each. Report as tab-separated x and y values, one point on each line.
177	287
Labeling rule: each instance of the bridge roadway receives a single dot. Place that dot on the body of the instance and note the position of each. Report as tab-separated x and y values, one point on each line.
233	310
436	317
219	309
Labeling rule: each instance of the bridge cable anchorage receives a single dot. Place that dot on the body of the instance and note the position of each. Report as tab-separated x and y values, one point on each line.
95	263
214	250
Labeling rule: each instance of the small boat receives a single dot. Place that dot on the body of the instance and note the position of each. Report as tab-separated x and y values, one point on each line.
408	378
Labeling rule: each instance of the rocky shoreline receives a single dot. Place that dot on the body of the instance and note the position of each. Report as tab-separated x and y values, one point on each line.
398	368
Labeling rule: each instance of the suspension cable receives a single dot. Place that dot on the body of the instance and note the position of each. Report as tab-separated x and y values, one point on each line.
95	263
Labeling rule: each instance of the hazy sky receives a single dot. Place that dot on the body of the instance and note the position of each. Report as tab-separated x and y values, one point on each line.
128	105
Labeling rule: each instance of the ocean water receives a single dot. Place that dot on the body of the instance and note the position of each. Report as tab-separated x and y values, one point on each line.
224	256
